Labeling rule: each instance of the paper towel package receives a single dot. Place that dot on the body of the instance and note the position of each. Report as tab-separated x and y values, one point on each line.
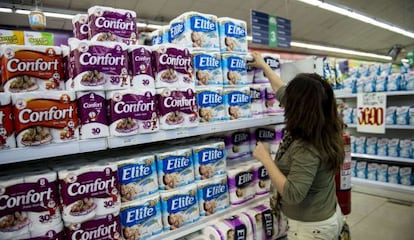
213	195
137	176
141	218
179	207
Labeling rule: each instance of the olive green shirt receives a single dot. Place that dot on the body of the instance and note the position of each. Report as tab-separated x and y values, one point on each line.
309	193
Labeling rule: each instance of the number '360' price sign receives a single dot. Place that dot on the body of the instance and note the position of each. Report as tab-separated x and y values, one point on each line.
371	112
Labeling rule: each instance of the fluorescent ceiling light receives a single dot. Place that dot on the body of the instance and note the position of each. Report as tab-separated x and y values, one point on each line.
352	14
141	24
58	15
26	12
339	50
154	26
404	60
249	38
6	10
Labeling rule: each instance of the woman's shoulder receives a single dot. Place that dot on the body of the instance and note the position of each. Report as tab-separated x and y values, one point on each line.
302	146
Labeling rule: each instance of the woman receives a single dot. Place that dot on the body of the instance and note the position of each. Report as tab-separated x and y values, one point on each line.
311	152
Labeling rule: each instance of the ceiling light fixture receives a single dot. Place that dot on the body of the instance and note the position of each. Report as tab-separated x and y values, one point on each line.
20	11
404	60
339	50
154	26
58	15
6	10
143	25
361	17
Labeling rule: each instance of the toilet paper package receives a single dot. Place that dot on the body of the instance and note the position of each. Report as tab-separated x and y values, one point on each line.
7	136
271	59
195	30
347	115
361	169
241	183
272	105
177	108
99	65
103	227
411	115
92	114
209	160
257	96
234	68
141	67
156	37
402	115
393	174
270	135
88	192
31	202
263	222
237	226
381	83
393	83
361	144
173	66
409	78
213	195
207	68
132	112
232	34
262	179
372	171
45	117
142	218
382	147
179	207
80	26
391	115
54	232
137	176
237	103
210	104
406	176
110	24
31	68
237	144
175	168
67	78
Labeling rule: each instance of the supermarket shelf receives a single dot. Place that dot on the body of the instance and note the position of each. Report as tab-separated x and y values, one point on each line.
383	185
384	158
406	127
52	150
115	142
206	221
339	94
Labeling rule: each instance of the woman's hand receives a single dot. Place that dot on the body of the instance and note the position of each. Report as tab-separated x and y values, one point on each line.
262	153
258	61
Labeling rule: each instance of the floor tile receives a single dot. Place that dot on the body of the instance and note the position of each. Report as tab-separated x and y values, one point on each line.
362	205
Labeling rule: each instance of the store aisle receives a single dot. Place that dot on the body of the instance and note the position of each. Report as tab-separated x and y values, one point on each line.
377	218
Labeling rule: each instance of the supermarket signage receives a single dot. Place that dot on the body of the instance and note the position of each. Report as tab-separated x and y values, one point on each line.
371	112
270	30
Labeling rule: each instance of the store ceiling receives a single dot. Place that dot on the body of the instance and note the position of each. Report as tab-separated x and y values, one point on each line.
309	24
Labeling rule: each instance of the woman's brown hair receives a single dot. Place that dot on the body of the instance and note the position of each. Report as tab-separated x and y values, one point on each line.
311	114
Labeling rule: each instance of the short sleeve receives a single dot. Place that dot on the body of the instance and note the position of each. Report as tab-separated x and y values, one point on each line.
280	93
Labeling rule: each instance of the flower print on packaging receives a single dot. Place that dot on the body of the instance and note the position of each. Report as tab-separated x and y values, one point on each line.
99	65
45	117
237	103
175	168
92	114
210	104
173	66
89	191
110	24
132	112
177	108
31	68
137	177
7	137
141	67
179	207
142	218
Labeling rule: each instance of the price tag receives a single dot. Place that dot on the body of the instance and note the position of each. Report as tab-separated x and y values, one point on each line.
371	112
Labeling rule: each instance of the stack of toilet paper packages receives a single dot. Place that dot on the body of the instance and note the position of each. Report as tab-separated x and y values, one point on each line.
91	200
269	135
30	206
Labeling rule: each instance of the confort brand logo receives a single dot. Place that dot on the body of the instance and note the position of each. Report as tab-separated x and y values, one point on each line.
170	102
31	197
102	22
140	106
102	231
54	113
202	24
106	60
99	184
38	65
166	59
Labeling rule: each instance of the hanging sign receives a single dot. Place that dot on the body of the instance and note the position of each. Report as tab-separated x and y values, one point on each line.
270	30
371	112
